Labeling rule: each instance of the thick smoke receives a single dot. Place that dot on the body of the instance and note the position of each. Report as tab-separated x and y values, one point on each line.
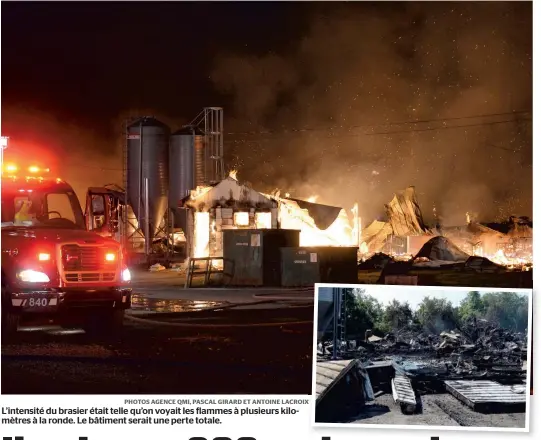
73	152
363	66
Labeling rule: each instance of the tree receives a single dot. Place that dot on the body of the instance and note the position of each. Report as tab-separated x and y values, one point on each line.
508	310
395	316
436	315
471	307
363	311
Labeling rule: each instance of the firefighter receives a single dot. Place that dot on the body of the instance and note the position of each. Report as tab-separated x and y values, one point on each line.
24	213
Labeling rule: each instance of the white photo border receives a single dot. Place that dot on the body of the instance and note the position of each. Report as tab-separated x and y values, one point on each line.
316	425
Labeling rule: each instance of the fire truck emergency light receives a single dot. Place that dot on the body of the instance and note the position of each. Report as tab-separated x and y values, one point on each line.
11	168
44	257
34	170
109	256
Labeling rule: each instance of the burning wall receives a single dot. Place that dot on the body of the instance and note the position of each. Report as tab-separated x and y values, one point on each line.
228	205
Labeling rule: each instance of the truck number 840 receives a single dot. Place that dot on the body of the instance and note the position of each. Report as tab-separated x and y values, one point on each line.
37	302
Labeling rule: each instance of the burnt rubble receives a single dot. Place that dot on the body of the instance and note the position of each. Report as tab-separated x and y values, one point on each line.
480	364
377	261
478	350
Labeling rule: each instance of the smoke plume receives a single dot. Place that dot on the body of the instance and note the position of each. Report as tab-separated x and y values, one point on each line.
313	119
73	152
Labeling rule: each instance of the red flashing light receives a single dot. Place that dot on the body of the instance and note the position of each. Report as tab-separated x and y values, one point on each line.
33	171
44	256
11	168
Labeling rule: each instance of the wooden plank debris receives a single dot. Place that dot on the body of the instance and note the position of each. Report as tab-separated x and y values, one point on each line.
487	395
330	373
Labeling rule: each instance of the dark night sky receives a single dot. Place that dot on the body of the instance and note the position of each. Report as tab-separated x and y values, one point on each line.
70	71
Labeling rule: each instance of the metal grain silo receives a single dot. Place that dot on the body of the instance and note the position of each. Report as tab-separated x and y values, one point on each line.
148	154
186	163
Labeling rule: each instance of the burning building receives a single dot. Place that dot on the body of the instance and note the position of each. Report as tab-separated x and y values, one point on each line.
233	205
227	205
405	234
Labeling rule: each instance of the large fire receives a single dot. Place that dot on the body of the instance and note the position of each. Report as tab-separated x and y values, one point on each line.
523	262
345	230
342	232
201	234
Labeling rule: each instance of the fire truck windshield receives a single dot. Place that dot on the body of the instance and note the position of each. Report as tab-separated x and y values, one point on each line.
42	209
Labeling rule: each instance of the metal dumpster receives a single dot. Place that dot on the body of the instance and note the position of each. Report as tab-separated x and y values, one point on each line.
300	267
253	256
308	265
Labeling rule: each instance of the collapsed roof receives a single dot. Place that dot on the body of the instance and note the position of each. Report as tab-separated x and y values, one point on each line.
441	249
323	215
228	189
375	235
405	215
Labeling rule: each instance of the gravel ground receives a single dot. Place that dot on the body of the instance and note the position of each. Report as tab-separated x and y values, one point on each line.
162	360
438	410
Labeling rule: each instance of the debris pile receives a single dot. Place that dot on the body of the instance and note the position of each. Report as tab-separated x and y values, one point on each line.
477	350
376	261
480	364
439	251
483	265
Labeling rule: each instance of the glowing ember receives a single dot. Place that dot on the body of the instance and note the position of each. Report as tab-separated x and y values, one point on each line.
312	199
522	262
363	249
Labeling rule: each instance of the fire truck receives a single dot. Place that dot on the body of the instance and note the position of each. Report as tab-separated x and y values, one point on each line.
53	269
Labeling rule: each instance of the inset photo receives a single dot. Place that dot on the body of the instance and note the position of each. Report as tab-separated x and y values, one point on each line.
422	357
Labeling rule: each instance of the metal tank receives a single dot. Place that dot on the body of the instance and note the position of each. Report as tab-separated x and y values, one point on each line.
148	154
325	309
184	175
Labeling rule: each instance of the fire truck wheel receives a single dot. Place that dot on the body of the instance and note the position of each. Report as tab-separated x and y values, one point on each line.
10	325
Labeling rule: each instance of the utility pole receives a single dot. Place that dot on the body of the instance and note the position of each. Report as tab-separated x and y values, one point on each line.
4	144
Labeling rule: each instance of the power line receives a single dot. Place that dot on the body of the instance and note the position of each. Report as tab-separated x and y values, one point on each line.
381	133
91	167
413	122
414	130
447	127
